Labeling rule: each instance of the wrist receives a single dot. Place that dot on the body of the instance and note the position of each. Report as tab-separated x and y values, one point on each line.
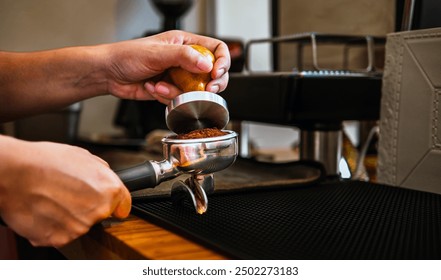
92	79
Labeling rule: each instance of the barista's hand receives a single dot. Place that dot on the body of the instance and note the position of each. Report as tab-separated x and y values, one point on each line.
53	193
42	81
137	66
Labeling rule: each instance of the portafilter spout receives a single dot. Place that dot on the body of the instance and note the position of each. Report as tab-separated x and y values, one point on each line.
196	188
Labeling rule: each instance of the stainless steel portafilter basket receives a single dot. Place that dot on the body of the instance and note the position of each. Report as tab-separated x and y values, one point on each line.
198	157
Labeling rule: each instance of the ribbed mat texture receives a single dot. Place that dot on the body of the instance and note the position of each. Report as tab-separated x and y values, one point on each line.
331	220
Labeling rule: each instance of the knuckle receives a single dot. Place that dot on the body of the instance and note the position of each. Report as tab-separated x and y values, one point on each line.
177	33
65	238
59	241
79	231
56	241
35	243
103	212
113	191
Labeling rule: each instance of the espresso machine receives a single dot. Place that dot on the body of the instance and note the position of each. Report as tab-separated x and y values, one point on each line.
316	100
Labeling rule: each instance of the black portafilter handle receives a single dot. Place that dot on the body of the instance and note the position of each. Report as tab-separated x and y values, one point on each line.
139	177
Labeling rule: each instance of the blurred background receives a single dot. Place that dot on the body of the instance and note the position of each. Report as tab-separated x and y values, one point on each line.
27	25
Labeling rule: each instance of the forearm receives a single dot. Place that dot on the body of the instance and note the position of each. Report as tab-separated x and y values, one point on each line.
36	82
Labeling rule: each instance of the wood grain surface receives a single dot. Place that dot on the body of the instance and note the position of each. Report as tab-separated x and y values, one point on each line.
135	238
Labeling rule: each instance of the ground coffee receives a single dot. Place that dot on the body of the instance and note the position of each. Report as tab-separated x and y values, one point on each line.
202	133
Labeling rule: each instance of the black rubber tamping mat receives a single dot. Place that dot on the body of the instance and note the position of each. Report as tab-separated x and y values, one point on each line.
331	220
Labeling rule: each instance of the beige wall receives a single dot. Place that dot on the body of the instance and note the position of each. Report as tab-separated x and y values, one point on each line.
34	25
350	17
337	16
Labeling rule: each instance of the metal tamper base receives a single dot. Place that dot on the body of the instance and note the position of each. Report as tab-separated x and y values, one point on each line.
196	110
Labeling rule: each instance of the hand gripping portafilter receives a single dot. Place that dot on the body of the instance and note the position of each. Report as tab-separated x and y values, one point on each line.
198	157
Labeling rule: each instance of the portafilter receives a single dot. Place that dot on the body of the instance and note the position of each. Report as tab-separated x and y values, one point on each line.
199	157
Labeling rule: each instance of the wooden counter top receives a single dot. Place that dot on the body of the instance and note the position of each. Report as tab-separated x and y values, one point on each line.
135	238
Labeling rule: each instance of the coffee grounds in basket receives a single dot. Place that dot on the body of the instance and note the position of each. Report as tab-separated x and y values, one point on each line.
202	133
